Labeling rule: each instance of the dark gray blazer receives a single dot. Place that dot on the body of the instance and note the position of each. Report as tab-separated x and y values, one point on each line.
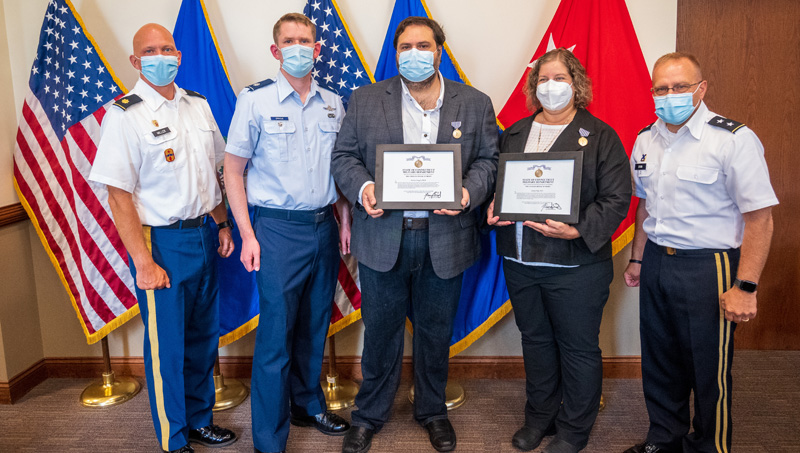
374	116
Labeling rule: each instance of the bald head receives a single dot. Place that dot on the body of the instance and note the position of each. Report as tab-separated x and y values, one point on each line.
152	37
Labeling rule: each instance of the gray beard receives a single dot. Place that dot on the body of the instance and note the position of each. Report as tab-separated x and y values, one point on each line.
417	86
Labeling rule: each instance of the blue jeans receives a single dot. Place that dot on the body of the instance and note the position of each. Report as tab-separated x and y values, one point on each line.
386	298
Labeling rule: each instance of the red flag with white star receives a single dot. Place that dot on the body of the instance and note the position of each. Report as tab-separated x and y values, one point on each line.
600	33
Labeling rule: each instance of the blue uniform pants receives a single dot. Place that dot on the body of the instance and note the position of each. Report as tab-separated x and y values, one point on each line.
296	285
181	332
687	346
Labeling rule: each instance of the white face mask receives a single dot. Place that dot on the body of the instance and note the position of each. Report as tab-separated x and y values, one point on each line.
554	95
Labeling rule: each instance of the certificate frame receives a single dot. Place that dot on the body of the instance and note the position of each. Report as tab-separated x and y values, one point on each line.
385	157
534	160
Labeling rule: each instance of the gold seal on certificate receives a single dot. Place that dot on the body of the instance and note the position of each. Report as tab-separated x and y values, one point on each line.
539	186
418	177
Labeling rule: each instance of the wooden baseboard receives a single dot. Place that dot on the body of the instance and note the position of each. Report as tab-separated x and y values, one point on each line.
12	213
19	385
349	367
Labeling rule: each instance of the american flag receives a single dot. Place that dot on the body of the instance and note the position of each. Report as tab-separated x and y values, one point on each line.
70	89
340	68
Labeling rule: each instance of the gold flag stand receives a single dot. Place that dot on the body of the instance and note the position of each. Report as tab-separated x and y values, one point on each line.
228	393
339	393
453	393
111	390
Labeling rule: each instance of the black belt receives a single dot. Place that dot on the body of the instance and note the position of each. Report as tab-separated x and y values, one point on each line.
188	223
303	216
674	251
413	223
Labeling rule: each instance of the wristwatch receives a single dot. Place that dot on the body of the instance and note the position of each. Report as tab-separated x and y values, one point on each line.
226	224
746	285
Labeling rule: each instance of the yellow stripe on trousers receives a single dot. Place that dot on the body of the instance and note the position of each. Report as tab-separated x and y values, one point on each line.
152	329
723	284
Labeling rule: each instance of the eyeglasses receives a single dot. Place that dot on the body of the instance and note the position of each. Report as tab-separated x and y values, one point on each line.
682	88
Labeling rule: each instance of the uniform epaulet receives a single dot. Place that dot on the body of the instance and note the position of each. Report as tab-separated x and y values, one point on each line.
646	128
261	84
128	101
725	123
194	93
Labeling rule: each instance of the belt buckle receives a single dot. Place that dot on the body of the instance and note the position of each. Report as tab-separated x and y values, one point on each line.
319	216
671	251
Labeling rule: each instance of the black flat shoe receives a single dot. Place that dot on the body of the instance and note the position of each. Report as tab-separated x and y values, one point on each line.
185	449
644	447
442	434
326	422
527	438
357	440
212	436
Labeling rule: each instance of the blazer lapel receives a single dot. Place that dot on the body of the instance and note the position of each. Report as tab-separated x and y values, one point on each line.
393	111
448	114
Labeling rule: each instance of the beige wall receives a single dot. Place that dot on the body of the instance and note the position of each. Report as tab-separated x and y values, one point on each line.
508	36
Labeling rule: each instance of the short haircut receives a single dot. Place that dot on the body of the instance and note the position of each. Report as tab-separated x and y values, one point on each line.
296	18
581	84
438	33
679	56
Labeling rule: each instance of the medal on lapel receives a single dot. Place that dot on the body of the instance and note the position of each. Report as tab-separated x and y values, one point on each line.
456	130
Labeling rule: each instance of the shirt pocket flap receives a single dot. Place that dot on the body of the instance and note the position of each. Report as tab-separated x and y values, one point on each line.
329	126
284	127
701	175
208	126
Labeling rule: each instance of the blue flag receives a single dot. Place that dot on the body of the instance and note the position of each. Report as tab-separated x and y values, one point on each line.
484	296
203	70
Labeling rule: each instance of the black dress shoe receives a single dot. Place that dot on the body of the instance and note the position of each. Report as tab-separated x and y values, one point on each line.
560	446
527	438
326	422
442	434
212	436
185	449
358	439
644	447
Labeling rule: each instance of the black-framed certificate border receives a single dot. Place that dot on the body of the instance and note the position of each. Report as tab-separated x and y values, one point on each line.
454	149
574	212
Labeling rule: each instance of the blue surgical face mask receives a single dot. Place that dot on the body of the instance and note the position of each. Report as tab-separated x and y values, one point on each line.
160	70
298	60
416	65
675	108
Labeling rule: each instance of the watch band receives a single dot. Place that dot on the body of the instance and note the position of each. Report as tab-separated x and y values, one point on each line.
746	285
226	224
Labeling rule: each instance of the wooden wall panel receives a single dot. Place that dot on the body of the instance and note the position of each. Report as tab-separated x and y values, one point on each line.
750	54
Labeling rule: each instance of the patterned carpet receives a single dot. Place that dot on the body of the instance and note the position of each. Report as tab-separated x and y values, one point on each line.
766	410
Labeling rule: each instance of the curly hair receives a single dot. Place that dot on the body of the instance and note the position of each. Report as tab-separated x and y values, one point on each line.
581	85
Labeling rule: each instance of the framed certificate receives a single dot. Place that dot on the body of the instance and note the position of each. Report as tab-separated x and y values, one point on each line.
539	186
418	177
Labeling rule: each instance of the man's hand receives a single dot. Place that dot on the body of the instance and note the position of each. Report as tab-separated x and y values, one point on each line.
633	274
491	219
464	203
554	229
345	220
150	275
251	254
226	245
738	305
368	201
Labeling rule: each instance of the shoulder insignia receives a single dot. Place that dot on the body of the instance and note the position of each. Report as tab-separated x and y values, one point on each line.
260	84
725	123
646	128
128	101
194	93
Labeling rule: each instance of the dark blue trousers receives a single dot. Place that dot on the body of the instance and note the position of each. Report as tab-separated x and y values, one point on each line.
181	332
385	301
687	346
296	284
558	311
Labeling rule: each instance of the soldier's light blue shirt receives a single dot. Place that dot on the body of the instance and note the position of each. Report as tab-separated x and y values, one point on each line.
288	142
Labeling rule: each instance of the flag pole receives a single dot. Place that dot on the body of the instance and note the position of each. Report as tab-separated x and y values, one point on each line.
339	393
230	393
111	390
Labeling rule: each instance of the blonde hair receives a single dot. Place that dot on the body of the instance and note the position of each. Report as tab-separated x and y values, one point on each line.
296	18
